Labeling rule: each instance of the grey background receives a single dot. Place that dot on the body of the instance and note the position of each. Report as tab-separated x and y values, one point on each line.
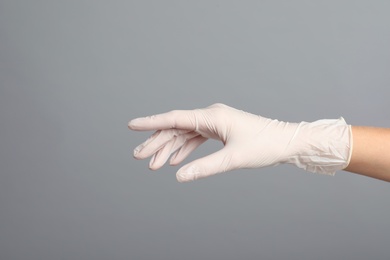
73	73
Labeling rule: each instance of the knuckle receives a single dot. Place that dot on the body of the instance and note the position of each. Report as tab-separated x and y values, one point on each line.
221	105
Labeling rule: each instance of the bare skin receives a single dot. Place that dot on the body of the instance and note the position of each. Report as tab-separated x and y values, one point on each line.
371	152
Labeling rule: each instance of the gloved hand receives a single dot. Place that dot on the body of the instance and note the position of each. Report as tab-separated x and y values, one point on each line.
250	141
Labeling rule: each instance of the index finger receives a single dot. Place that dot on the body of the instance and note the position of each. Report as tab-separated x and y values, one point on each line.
180	119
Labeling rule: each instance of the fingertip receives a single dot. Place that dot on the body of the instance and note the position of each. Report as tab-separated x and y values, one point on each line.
153	168
132	125
137	150
172	160
188	173
182	178
173	163
152	165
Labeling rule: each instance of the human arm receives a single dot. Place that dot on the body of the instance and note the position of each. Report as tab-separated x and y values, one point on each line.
250	141
371	152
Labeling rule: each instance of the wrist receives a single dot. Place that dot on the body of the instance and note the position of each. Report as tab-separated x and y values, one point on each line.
322	146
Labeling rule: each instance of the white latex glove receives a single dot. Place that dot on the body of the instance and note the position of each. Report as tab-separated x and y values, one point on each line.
250	141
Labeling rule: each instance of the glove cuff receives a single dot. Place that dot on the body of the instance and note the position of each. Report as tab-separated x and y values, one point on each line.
323	146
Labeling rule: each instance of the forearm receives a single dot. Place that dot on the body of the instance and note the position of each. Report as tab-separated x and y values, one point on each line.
370	152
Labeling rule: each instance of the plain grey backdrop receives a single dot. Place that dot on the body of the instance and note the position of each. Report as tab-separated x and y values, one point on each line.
73	73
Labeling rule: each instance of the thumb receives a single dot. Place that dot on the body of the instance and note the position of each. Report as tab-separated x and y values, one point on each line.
212	164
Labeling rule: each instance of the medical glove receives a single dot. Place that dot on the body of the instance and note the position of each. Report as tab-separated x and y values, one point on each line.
250	141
